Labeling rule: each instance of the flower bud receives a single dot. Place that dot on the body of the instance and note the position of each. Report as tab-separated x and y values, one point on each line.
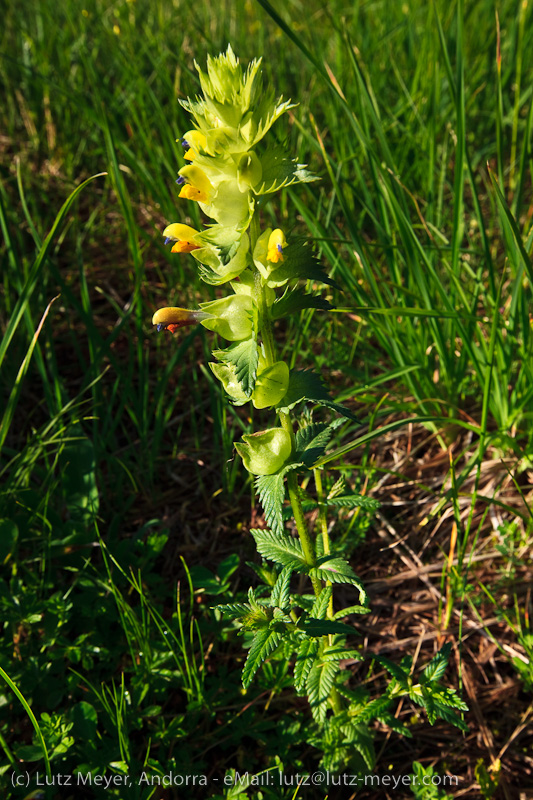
265	452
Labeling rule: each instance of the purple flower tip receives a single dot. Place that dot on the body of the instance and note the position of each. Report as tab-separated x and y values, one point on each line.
168	239
181	180
280	249
159	328
185	144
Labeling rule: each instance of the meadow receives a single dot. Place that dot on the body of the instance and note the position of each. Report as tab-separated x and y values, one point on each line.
124	511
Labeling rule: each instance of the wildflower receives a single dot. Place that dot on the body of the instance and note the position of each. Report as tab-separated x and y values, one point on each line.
172	318
193	142
183	235
276	243
197	185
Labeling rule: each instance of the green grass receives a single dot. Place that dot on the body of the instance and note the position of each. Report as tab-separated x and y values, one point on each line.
116	454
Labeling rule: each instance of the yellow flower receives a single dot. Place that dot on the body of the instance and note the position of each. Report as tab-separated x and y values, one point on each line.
197	185
172	318
276	243
183	235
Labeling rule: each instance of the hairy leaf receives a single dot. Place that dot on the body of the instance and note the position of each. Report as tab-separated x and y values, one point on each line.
282	549
280	593
234	610
300	263
280	170
319	684
344	612
354	501
264	642
305	657
337	570
244	356
320	606
271	491
437	666
296	300
324	627
307	385
312	440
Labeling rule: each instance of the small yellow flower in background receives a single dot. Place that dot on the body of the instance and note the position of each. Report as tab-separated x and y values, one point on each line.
116	29
276	243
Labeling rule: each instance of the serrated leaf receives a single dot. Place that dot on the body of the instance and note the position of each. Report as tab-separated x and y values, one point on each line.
305	657
390	720
244	357
271	491
305	385
355	501
351	610
234	610
320	606
393	669
319	684
324	627
281	592
296	300
280	170
338	487
282	549
264	642
341	654
300	263
312	440
337	570
437	666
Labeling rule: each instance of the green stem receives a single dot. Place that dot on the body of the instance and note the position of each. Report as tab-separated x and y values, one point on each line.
301	526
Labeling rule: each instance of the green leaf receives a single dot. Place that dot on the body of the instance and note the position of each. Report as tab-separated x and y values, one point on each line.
296	300
281	592
437	666
324	627
340	653
279	170
320	606
337	570
234	610
307	385
355	501
305	657
282	549
311	442
264	642
271	491
393	669
351	610
300	263
319	685
244	357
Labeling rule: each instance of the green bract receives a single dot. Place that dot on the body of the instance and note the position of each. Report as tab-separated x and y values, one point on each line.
231	317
